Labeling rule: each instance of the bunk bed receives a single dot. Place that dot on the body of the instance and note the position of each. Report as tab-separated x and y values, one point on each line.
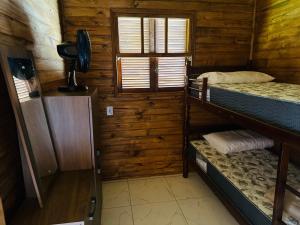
236	104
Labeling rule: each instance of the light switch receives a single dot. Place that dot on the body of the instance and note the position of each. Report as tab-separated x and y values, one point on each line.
109	111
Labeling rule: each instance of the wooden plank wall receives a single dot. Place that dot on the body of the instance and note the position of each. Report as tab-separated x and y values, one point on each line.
144	137
11	180
277	45
34	25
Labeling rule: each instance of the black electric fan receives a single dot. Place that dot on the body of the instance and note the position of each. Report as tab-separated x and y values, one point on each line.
79	55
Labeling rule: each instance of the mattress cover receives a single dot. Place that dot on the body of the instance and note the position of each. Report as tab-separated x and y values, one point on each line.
252	172
275	103
276	91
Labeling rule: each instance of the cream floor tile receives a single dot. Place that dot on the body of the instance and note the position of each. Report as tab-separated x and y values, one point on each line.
206	211
166	213
116	194
117	216
114	181
191	187
152	190
146	178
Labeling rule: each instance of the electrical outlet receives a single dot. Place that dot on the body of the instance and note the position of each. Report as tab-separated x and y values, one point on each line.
109	111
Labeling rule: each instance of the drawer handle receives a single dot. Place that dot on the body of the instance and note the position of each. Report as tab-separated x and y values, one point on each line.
92	208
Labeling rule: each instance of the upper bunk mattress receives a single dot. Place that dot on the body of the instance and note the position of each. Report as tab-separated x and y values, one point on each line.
253	173
275	103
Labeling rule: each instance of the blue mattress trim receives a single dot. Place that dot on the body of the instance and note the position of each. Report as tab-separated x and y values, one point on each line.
254	215
251	212
276	112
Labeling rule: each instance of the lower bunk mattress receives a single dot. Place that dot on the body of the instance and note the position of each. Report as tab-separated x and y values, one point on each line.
275	103
245	178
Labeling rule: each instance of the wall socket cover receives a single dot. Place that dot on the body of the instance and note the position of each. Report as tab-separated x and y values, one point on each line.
109	111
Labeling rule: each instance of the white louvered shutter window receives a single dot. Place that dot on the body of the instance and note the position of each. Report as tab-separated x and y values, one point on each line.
171	72
135	72
129	34
145	59
177	35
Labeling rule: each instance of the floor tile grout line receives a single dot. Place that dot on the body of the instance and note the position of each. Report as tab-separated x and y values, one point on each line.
123	181
182	212
170	190
178	205
129	192
114	181
116	207
195	198
172	194
145	178
150	203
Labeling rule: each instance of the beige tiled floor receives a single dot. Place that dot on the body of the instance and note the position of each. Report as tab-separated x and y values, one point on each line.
163	200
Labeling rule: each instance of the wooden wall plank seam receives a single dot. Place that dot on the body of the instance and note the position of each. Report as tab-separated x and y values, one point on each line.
277	42
133	142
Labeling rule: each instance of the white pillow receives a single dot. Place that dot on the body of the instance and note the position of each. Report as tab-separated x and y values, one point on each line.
236	77
237	141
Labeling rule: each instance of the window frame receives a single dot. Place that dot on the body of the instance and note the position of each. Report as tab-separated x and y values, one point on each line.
149	13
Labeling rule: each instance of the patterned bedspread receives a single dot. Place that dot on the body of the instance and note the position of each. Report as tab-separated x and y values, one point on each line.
252	172
278	91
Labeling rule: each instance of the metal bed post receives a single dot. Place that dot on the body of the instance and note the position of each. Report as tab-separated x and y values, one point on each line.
185	154
204	90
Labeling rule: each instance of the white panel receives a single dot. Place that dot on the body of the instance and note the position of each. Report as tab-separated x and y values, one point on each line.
154	35
146	35
160	35
171	72
135	72
177	35
129	34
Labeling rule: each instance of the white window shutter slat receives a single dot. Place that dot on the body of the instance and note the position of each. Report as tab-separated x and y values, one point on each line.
135	72
177	35
129	34
160	35
171	72
146	35
154	35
